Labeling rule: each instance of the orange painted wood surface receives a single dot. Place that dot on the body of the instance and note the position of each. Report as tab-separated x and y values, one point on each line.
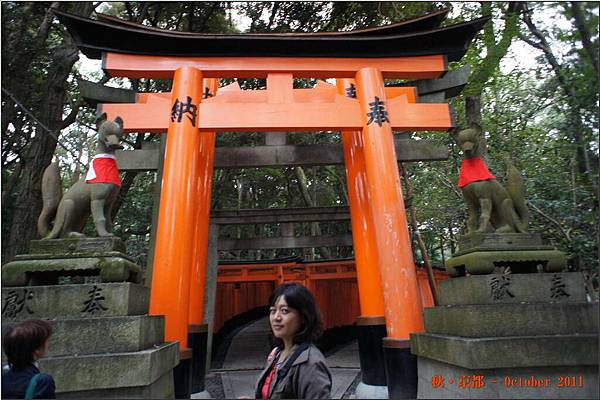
204	169
138	66
257	110
170	291
402	302
242	287
363	231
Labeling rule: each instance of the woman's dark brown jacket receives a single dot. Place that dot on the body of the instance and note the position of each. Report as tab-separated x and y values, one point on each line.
303	376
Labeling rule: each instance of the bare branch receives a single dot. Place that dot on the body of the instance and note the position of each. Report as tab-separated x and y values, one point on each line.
565	232
415	228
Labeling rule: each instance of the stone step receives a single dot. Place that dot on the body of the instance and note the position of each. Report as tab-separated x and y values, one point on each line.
105	334
439	380
513	288
507	352
87	245
499	241
162	388
32	270
111	371
74	301
524	319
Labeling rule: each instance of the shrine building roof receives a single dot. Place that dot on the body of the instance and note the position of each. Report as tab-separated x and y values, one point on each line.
415	37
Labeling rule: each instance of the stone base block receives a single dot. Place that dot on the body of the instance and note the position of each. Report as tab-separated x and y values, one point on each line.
513	288
25	270
111	371
526	319
103	335
439	380
364	391
162	388
201	395
499	241
74	301
76	246
508	352
484	262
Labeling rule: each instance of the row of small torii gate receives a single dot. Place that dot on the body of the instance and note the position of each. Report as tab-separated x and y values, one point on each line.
359	105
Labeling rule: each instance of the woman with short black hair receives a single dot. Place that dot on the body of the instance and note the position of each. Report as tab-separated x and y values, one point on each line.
24	344
296	367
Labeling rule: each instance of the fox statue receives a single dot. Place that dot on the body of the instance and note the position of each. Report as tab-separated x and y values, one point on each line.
65	216
492	208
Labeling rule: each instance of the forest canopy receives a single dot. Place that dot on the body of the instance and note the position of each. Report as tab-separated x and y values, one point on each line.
533	87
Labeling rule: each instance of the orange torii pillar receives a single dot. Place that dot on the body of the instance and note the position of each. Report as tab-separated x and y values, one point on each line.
403	309
175	234
370	324
198	328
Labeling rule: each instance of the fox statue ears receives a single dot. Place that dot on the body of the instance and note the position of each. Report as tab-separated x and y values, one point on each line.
103	117
100	120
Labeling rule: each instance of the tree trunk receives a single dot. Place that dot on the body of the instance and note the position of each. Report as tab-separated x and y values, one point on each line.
584	33
487	66
473	114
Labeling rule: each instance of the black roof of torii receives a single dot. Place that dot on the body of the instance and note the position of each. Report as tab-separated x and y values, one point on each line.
416	37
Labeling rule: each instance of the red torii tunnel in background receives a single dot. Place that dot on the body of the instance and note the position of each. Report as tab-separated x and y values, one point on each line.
241	287
360	107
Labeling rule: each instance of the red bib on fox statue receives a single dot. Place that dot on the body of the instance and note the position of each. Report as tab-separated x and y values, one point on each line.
103	168
472	170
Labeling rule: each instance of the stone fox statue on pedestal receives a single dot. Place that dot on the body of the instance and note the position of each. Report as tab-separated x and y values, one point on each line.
95	193
491	207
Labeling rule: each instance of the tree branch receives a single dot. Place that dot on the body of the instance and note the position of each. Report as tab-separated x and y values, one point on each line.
584	33
415	228
549	218
531	42
208	15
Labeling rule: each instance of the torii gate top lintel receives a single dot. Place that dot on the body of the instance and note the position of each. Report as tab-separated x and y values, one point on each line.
147	66
414	38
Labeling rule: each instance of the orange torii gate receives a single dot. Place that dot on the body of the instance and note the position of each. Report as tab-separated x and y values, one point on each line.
361	107
185	196
279	108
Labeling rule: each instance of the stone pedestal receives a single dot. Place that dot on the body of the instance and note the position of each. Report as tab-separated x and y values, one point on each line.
50	260
509	336
481	253
104	345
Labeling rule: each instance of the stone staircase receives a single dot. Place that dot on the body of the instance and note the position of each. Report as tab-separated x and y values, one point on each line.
104	345
509	336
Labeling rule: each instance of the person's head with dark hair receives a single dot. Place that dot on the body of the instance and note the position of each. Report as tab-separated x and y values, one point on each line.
294	315
26	342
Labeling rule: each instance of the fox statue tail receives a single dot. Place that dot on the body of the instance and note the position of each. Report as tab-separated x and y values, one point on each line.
51	196
516	190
